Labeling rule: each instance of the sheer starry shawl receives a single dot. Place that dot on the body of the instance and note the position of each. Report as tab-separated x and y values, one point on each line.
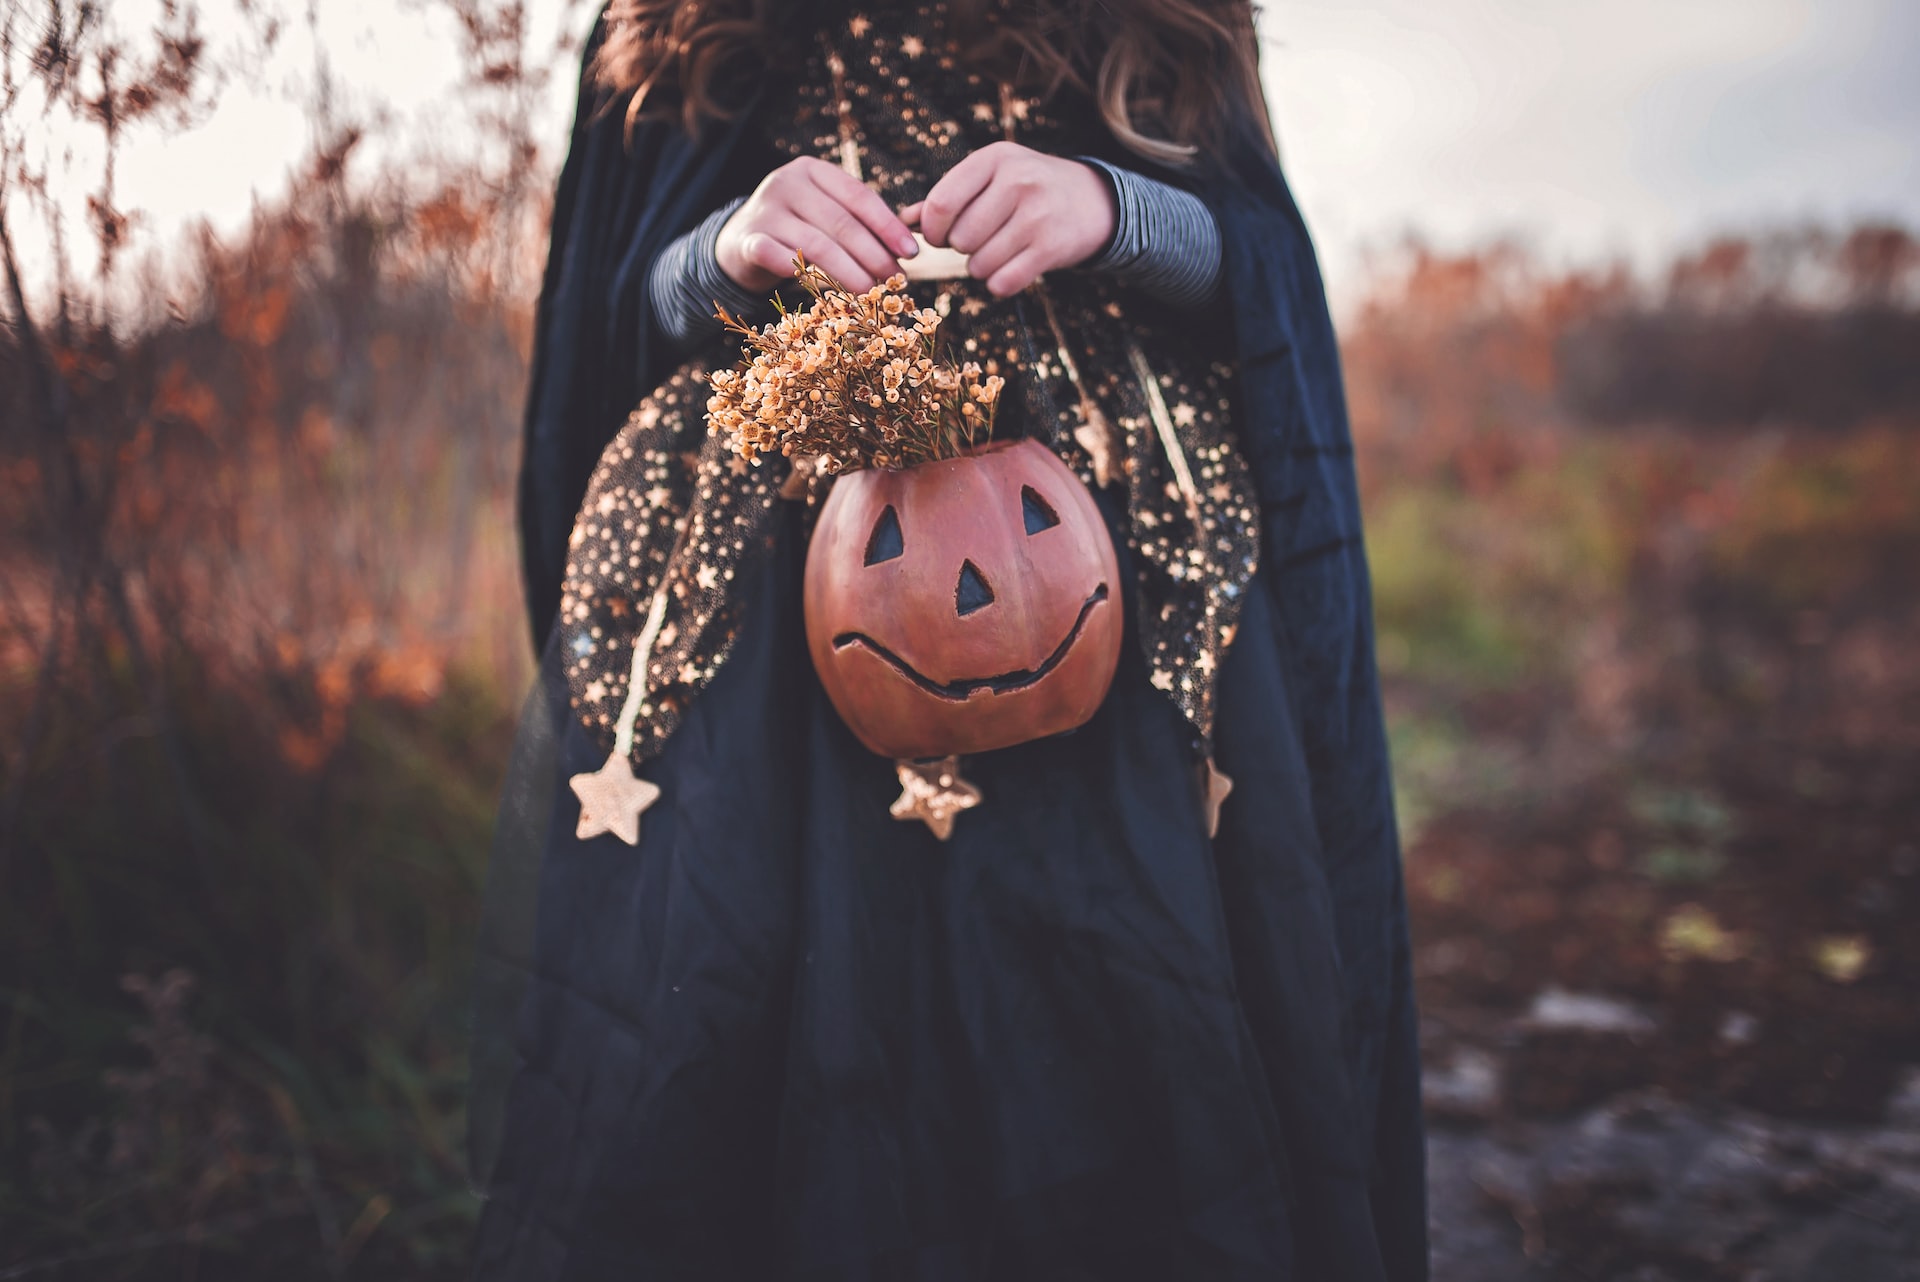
595	353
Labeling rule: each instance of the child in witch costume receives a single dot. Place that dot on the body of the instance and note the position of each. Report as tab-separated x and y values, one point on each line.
756	1002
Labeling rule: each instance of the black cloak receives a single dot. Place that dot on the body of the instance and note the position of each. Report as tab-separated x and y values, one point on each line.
596	352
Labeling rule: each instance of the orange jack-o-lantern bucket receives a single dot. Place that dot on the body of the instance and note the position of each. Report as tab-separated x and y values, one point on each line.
965	604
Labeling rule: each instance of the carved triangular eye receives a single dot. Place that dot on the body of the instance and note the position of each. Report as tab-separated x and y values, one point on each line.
885	542
972	592
1039	516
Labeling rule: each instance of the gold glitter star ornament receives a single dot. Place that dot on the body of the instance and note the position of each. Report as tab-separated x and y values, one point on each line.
612	799
934	793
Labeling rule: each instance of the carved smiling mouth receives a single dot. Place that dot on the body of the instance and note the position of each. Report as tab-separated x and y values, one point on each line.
1005	683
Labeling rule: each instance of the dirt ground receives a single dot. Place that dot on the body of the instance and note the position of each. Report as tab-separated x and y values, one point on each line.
1646	1189
1672	1017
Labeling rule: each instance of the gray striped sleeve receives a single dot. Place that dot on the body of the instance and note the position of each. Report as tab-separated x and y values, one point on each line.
686	281
1165	241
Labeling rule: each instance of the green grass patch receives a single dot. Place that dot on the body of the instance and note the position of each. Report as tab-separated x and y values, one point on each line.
288	1063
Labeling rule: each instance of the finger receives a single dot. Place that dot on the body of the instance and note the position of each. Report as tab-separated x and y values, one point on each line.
768	253
864	204
953	193
980	221
1016	236
1021	272
838	224
910	214
823	252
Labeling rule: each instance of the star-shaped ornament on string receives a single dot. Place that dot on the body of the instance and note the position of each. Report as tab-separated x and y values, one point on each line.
1214	787
934	793
612	799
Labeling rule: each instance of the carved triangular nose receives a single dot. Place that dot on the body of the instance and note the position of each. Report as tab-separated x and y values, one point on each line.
972	592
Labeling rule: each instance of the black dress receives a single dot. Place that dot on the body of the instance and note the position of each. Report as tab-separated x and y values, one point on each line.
789	1037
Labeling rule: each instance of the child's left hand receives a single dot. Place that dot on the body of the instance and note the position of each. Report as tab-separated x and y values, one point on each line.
1017	213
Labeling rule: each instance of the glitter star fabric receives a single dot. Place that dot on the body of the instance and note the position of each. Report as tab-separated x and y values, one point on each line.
668	505
886	92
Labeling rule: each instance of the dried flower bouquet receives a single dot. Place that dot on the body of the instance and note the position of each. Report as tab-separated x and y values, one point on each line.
854	381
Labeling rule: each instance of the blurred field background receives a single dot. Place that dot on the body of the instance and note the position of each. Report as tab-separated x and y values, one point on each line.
1645	540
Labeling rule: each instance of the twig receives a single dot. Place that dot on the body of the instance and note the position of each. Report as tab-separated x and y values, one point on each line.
49	411
77	567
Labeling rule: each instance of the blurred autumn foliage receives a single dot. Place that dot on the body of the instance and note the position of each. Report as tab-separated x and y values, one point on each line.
1645	557
1551	461
260	638
1645	554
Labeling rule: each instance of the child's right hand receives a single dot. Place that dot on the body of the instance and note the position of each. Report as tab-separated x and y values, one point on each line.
809	206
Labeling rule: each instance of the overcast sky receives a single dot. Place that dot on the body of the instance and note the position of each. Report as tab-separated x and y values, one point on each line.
1588	126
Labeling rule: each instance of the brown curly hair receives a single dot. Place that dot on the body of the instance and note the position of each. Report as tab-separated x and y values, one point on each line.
1167	74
